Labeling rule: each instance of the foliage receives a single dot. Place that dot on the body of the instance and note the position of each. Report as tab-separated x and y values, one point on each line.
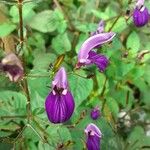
55	27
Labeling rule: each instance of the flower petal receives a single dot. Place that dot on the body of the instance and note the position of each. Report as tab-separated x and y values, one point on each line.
140	17
93	137
59	108
140	3
12	66
60	79
100	60
93	143
93	42
93	128
13	72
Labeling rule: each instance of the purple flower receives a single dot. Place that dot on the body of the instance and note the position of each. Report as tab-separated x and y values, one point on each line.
59	103
140	14
12	66
93	135
95	113
87	57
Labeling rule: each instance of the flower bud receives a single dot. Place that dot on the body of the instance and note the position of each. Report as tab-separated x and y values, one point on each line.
93	135
140	14
95	113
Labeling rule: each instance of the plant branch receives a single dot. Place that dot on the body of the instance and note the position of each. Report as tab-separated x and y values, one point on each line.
20	4
104	88
12	117
21	38
118	17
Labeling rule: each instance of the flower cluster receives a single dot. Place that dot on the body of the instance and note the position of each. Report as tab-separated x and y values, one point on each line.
140	15
59	104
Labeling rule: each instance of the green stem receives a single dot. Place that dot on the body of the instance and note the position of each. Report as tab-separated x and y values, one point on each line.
20	23
118	17
104	87
21	38
12	117
20	134
37	133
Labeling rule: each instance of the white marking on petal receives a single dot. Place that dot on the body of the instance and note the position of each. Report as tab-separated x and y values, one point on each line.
54	93
64	92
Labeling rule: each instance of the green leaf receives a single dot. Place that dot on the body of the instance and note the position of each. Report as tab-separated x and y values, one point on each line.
137	139
133	42
13	102
86	27
6	146
42	61
44	21
80	88
45	146
64	133
40	84
119	26
6	29
28	13
113	106
61	43
61	22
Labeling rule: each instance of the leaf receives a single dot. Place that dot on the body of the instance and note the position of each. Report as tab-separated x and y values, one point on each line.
113	106
133	42
28	13
42	61
44	21
61	43
40	84
61	22
6	29
119	26
137	138
86	27
44	146
144	90
122	68
6	146
64	133
12	102
80	88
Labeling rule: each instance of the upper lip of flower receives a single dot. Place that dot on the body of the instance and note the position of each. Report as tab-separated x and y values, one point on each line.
93	129
140	3
60	83
91	43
